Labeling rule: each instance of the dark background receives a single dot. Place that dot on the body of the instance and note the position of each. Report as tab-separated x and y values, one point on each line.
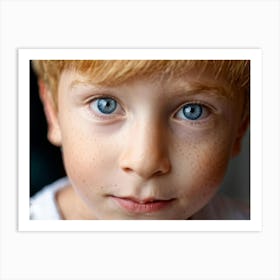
45	159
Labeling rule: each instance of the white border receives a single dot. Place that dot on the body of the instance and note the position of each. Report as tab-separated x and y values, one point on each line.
254	224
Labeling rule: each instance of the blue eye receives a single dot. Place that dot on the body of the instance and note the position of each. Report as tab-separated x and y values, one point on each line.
191	112
105	105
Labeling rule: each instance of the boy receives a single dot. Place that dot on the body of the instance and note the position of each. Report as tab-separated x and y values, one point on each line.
143	139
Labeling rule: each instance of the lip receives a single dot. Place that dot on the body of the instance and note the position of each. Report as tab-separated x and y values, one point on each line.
148	205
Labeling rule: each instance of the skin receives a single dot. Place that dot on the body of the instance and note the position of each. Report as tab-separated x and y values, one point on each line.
146	148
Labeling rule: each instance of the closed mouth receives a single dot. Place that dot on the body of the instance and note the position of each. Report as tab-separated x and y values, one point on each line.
147	205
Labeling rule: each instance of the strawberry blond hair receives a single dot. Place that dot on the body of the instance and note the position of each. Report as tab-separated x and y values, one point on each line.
114	72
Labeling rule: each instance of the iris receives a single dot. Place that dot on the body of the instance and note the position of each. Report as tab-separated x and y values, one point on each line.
106	105
192	111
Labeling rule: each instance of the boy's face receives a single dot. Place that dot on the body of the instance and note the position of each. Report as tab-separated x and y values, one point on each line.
146	149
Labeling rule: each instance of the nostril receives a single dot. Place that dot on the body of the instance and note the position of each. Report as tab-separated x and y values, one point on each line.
147	171
127	169
164	169
158	173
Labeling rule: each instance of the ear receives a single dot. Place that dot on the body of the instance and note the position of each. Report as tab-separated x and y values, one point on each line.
236	149
54	133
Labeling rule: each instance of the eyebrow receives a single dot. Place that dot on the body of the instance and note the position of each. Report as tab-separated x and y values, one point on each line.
193	89
76	83
199	88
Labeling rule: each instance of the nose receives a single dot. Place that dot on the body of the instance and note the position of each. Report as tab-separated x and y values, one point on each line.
145	151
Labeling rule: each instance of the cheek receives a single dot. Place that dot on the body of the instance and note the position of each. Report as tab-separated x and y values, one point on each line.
87	159
200	173
202	166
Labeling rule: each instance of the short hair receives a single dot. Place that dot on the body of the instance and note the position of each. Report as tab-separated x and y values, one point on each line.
115	72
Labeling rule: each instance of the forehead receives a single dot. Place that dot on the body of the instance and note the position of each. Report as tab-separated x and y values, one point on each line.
191	82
